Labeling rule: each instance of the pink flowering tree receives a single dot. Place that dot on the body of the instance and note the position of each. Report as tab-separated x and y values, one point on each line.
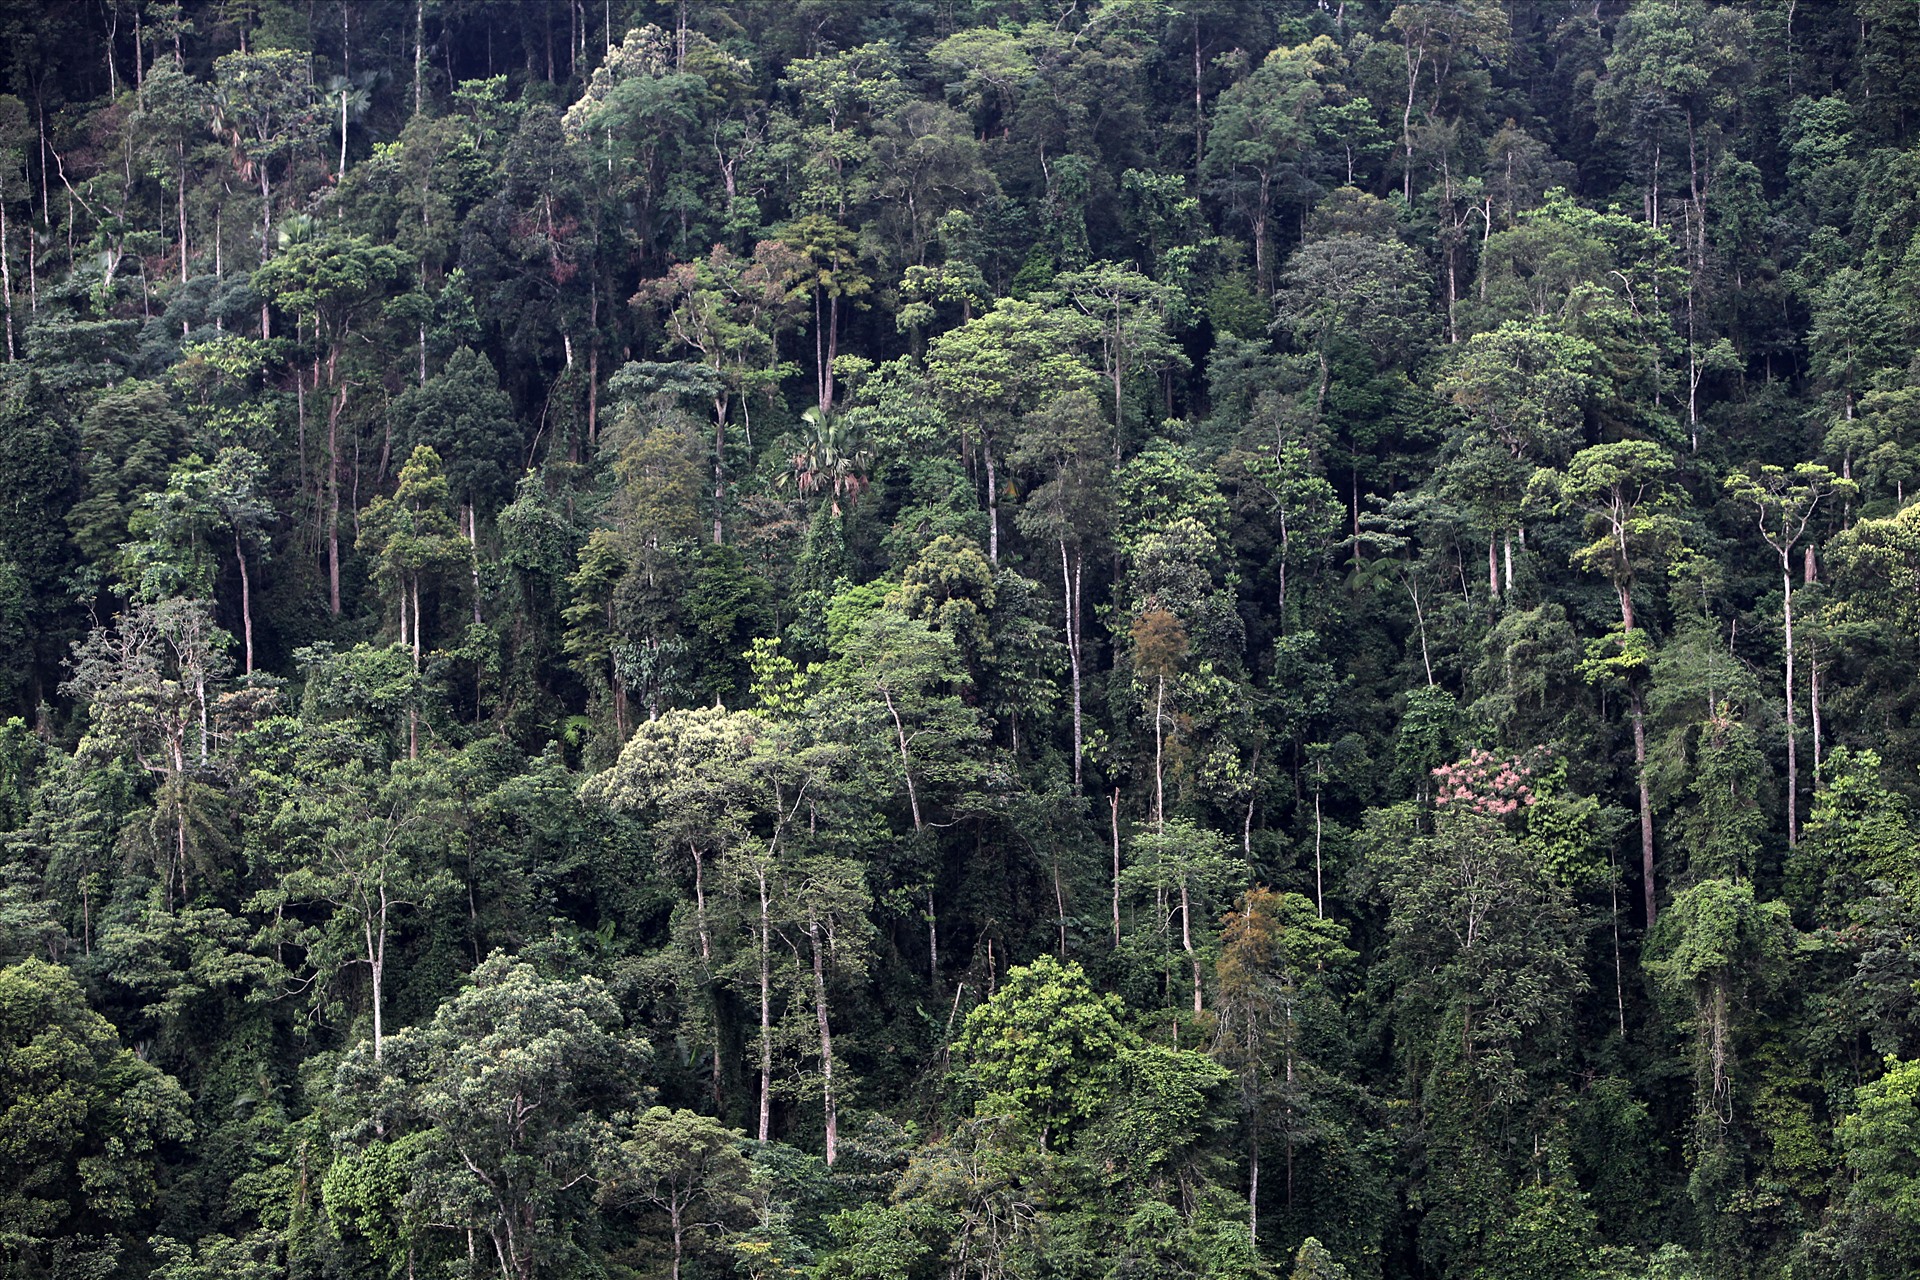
1485	783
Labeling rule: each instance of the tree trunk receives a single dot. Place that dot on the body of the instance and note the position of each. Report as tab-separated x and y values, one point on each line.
1070	591
933	939
246	599
6	270
766	1009
828	1104
993	501
473	558
266	239
719	465
1199	104
1113	805
377	964
906	762
335	404
1159	758
419	43
1793	749
700	904
1813	708
1319	889
1646	804
1186	942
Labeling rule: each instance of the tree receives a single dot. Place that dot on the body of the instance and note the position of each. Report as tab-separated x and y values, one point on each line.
151	685
833	273
1881	1141
83	1125
834	458
1673	70
1718	949
1133	312
687	1167
1001	365
1784	503
1485	945
1065	441
264	107
897	690
364	850
412	537
512	1086
1044	1048
1524	389
1259	147
730	312
1624	492
333	281
1276	952
461	413
1877	567
1313	1262
697	775
1188	864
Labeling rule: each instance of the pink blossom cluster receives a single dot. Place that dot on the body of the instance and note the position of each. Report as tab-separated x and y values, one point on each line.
1487	783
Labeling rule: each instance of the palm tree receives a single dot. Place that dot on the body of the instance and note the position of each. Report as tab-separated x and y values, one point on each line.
833	458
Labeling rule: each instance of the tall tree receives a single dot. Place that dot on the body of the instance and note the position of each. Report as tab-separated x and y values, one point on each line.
1784	504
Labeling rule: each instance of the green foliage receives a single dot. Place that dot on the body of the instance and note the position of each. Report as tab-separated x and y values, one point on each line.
1046	1048
1045	623
83	1122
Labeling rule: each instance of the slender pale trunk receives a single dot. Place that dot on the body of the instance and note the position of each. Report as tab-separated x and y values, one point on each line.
1646	803
246	598
1420	618
906	761
1619	982
828	1104
1113	805
266	240
1813	708
377	964
1637	713
933	939
1159	758
419	44
719	466
1186	941
700	903
1319	884
993	500
1793	748
6	270
335	404
473	558
766	1007
180	205
1070	591
1253	1188
413	712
